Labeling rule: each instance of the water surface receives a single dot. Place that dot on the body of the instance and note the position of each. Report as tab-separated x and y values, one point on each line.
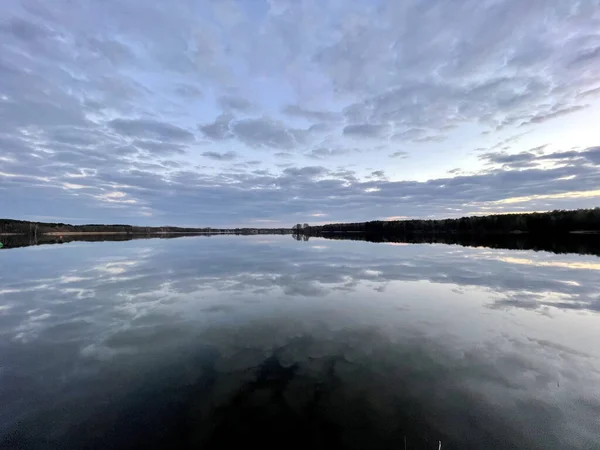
204	342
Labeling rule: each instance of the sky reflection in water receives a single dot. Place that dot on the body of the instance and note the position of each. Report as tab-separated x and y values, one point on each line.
178	343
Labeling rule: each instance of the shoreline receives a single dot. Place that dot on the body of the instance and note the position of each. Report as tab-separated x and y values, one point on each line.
126	233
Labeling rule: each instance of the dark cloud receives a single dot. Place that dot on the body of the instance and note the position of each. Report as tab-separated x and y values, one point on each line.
377	175
150	129
593	155
25	30
399	154
227	156
523	159
220	129
306	172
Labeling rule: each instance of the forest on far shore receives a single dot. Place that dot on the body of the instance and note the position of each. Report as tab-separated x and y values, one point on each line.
545	223
24	227
548	223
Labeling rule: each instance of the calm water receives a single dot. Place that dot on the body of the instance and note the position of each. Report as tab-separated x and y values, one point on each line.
214	342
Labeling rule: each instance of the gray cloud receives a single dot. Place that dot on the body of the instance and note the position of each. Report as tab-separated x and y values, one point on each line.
306	172
112	50
160	148
227	156
438	138
150	129
589	93
218	130
532	158
326	153
526	159
318	116
586	56
78	137
265	133
538	149
366	130
232	103
377	175
410	135
25	30
544	117
188	91
399	154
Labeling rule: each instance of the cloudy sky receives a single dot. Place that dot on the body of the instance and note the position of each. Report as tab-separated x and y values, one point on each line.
269	113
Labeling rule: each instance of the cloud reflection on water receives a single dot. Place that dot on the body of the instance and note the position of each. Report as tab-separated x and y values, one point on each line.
383	322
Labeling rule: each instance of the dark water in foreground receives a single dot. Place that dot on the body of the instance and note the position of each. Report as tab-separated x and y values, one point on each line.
267	342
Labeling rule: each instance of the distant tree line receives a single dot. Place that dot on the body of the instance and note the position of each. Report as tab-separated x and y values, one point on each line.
553	222
23	227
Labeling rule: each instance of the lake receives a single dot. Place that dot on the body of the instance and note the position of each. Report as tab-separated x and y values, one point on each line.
269	342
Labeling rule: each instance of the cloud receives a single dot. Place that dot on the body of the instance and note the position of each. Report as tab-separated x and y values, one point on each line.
410	135
586	56
266	133
227	156
25	30
239	104
589	93
188	91
431	139
377	175
535	158
544	117
219	130
114	51
318	116
366	130
326	153
306	172
158	148
82	96
150	129
525	159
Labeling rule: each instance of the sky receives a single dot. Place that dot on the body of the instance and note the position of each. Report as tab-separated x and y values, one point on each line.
267	113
